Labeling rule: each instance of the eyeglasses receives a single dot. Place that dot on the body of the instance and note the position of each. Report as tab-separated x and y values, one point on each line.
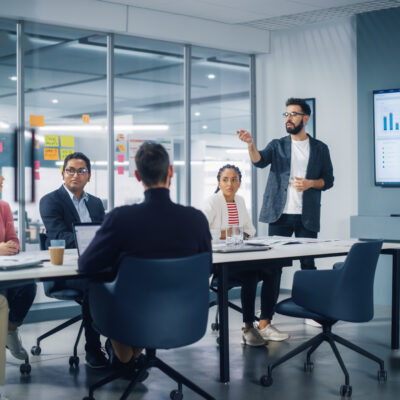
291	114
73	171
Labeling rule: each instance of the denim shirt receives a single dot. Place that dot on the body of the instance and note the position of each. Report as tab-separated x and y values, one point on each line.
278	154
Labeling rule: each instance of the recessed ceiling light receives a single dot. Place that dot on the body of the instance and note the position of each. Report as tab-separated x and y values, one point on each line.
197	114
54	101
12	78
211	76
204	126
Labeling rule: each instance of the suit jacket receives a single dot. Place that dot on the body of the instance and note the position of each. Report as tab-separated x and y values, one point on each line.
59	213
278	154
156	228
217	213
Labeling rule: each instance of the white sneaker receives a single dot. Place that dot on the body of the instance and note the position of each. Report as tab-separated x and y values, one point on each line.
251	337
14	344
273	334
311	322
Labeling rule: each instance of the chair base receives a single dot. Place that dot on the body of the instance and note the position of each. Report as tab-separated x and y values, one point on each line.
326	336
151	361
73	360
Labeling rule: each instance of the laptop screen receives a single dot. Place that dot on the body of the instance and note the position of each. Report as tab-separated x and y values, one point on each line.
84	233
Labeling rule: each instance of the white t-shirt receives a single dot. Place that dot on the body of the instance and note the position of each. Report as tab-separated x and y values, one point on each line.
298	167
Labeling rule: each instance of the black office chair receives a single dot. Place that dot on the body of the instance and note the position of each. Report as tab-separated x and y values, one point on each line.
59	290
327	296
174	292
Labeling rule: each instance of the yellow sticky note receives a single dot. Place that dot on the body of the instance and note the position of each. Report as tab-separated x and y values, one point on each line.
36	120
65	153
121	148
51	154
67	141
51	140
85	118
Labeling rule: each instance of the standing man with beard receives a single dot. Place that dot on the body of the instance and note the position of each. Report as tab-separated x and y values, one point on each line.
301	168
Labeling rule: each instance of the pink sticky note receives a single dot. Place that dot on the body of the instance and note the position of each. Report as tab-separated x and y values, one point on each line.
120	170
1	147
37	175
37	164
121	158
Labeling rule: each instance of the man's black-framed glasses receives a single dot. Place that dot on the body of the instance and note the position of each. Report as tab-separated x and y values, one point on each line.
291	114
73	171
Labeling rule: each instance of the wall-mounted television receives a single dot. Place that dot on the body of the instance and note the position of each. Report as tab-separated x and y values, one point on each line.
387	137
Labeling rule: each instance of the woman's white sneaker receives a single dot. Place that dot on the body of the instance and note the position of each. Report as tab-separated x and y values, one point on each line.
14	344
252	337
273	334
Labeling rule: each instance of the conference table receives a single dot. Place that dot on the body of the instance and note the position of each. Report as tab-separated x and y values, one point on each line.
285	254
282	254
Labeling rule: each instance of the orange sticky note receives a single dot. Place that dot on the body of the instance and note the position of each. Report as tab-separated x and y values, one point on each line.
37	145
85	118
121	148
36	120
51	154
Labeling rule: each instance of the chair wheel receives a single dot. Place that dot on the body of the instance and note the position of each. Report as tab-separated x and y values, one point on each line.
176	395
266	380
308	366
74	361
382	376
36	350
346	390
25	369
215	326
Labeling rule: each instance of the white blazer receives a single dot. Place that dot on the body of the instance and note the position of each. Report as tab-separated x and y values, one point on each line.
216	212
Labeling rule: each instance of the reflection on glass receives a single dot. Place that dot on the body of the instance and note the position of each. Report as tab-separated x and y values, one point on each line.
220	106
148	106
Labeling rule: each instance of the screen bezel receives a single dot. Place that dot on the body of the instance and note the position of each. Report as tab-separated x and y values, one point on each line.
381	184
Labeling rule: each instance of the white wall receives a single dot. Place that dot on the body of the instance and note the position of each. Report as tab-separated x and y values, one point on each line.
317	61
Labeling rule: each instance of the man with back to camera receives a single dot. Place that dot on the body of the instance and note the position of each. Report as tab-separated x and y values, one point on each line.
301	168
59	210
156	228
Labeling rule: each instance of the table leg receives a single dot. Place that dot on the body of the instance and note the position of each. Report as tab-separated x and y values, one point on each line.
223	323
395	299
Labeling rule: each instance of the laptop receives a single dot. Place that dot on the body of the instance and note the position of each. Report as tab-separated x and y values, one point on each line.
12	263
223	248
84	232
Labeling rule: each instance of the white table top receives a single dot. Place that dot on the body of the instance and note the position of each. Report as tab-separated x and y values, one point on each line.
48	270
293	251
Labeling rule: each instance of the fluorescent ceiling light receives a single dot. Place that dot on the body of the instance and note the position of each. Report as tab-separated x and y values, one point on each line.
4	125
91	128
237	151
211	76
54	101
12	78
204	126
197	114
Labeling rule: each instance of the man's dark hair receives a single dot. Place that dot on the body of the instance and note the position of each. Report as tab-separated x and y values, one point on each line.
299	102
78	156
152	163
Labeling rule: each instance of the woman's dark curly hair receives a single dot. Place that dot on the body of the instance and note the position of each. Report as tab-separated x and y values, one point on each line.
228	166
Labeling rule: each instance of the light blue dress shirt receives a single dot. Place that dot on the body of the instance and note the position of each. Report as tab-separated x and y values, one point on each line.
80	206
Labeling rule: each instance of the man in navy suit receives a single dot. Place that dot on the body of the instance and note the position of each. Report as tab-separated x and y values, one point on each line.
156	228
59	210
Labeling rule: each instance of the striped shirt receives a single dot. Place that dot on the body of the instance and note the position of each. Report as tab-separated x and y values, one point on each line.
233	215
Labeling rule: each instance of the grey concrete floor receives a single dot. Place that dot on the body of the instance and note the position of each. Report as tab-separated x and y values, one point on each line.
51	378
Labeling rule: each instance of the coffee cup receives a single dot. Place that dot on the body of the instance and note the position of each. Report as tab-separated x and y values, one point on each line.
56	250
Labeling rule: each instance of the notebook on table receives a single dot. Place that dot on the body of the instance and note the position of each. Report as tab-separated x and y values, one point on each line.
84	232
223	248
12	263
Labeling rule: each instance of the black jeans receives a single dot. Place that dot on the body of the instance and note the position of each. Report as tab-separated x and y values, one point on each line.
288	224
248	279
20	299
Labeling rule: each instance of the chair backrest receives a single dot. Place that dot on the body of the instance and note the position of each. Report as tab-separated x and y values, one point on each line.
351	288
154	303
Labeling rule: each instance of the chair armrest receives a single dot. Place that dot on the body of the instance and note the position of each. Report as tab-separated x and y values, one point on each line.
317	290
338	265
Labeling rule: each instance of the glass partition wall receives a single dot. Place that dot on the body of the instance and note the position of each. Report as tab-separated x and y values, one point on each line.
65	97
